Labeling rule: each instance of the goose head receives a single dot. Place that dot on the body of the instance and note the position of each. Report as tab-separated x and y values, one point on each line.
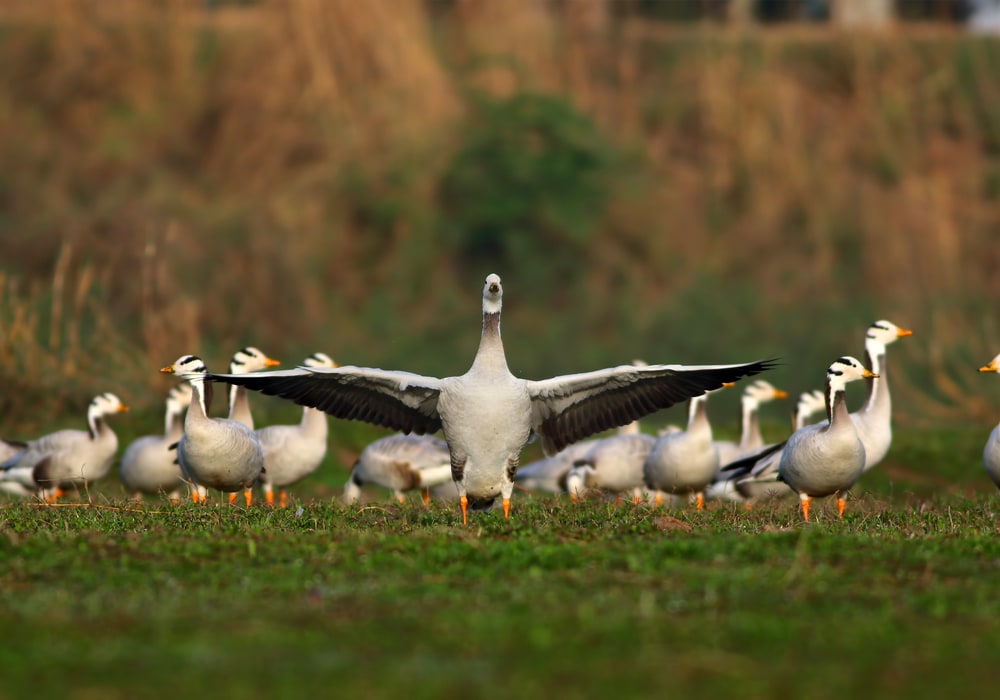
319	359
761	392
838	375
186	367
178	398
103	405
992	366
492	295
883	333
250	359
810	403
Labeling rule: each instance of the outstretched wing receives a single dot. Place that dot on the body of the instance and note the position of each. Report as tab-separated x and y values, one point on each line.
571	407
398	400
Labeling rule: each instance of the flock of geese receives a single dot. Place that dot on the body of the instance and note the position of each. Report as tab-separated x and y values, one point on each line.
486	417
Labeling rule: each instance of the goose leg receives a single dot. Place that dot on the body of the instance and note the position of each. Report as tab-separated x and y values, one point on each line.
232	498
699	500
804	501
458	474
841	504
425	496
269	495
282	499
507	485
248	496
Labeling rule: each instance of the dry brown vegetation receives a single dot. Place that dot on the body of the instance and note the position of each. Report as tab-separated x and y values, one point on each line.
297	175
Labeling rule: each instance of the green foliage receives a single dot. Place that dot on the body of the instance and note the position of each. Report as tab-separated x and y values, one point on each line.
528	185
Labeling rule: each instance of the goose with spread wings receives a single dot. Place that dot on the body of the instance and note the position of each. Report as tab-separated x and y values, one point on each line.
487	415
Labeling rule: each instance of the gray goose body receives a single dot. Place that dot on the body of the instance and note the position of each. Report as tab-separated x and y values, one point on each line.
218	453
148	465
68	458
686	462
549	473
400	463
991	451
827	459
293	452
488	414
613	464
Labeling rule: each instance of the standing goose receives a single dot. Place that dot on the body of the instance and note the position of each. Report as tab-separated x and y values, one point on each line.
68	458
751	438
684	462
293	452
149	466
249	359
739	480
220	453
991	452
874	420
826	459
400	463
487	414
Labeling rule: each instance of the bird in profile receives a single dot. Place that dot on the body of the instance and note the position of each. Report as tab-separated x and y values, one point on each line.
487	415
68	458
827	458
400	463
149	466
219	453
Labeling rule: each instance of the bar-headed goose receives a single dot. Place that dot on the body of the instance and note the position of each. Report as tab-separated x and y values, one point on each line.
400	463
487	414
68	458
293	452
826	459
149	466
684	463
218	453
991	452
810	403
751	439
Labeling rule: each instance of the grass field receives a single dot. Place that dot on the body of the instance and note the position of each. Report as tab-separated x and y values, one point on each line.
116	600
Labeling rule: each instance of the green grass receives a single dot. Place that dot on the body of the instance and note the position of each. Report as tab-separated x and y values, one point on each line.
132	601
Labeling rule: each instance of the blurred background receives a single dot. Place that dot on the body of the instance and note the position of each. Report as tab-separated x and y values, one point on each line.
677	181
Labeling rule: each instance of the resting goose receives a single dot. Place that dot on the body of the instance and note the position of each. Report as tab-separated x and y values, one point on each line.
827	458
249	359
751	438
68	458
684	462
400	463
219	453
487	414
293	452
149	466
613	464
7	450
991	452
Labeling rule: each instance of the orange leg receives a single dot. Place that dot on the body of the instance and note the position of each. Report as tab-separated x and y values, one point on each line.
748	506
573	498
841	504
232	498
658	499
699	501
248	496
506	508
425	496
283	499
269	498
464	502
804	502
